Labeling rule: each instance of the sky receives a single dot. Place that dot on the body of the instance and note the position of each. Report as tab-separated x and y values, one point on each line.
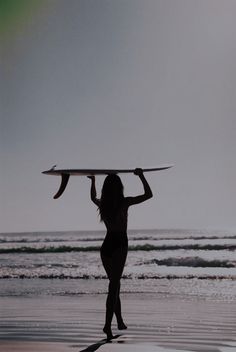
119	84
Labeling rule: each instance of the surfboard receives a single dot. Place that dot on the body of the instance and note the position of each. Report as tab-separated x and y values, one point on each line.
66	173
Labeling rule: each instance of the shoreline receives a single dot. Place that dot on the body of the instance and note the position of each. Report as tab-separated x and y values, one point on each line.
74	323
221	288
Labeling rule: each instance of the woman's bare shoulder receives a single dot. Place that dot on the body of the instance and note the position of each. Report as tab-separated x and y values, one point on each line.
128	201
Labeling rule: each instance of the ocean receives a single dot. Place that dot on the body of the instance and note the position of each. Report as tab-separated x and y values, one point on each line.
190	262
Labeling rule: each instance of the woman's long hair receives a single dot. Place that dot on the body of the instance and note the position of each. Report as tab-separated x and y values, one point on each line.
111	198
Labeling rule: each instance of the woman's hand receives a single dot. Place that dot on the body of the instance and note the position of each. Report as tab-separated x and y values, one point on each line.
91	177
138	171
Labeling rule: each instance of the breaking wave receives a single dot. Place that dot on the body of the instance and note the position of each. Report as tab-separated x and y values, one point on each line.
195	262
141	247
62	276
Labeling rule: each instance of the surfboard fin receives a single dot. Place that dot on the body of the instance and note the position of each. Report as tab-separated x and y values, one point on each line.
64	181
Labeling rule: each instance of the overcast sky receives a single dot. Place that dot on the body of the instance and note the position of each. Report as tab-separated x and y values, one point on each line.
120	83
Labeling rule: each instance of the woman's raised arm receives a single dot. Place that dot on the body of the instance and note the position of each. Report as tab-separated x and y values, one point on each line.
93	192
147	190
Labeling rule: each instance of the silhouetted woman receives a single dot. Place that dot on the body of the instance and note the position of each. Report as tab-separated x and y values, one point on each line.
113	208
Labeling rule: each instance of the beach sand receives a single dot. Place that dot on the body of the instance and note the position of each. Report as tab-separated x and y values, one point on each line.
156	323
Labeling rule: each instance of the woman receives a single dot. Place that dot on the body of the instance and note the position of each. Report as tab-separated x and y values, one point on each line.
113	208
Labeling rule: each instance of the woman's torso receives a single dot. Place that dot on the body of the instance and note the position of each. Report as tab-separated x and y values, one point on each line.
116	236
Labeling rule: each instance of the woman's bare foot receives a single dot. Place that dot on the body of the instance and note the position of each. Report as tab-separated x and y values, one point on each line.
121	325
108	332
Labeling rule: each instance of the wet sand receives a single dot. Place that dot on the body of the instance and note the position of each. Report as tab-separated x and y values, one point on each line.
156	323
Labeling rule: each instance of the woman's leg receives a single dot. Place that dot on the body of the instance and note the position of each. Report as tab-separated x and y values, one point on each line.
118	306
113	266
120	323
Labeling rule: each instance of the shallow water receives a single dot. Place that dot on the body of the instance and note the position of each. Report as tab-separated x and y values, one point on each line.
171	321
160	261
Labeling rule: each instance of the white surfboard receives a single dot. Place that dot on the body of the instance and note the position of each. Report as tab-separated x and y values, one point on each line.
66	173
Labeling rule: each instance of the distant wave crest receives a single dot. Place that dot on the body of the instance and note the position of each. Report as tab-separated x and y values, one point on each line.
30	239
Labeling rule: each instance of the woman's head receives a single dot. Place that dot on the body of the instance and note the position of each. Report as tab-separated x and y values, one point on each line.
112	186
111	197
